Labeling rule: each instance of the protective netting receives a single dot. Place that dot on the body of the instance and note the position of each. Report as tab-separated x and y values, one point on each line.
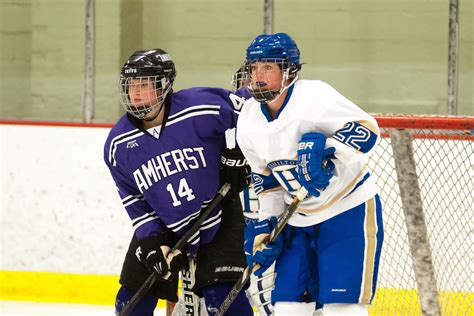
443	157
443	162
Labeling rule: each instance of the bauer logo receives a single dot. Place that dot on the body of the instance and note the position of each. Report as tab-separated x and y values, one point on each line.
305	145
130	71
233	162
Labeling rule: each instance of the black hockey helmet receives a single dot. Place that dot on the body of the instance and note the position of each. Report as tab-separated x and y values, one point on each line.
151	66
152	62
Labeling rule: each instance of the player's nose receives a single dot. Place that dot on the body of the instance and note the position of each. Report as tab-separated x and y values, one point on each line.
259	75
134	92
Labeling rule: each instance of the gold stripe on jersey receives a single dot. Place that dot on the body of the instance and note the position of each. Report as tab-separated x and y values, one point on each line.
369	125
370	231
349	187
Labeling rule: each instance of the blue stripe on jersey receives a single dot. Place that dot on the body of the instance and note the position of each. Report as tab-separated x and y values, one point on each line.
262	291
266	113
366	176
120	139
262	183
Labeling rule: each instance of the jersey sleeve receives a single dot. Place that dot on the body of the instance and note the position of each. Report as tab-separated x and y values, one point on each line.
354	134
270	195
267	188
144	219
355	141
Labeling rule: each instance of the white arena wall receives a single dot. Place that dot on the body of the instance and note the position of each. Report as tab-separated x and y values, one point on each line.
60	213
60	208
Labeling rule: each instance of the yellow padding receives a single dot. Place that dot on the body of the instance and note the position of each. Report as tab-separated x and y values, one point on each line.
398	302
60	287
101	290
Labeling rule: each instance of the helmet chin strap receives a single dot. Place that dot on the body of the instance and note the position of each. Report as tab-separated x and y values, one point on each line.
268	96
283	88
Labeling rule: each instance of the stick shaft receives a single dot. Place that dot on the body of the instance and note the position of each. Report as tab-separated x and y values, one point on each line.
275	232
141	292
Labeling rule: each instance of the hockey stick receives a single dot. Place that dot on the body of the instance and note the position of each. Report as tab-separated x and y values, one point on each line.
196	226
188	304
248	271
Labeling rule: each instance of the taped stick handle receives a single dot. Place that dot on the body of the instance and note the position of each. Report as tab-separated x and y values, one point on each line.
141	292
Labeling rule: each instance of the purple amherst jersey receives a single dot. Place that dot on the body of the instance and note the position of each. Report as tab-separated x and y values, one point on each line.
166	175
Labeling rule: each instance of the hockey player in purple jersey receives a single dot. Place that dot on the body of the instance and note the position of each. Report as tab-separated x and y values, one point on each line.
168	156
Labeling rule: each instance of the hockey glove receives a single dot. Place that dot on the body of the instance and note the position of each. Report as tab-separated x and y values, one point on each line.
258	252
315	166
235	170
156	256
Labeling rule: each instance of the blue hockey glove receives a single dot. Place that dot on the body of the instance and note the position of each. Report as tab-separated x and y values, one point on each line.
315	166
258	252
249	236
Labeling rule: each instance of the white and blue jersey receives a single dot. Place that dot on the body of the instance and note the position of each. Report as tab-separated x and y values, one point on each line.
332	243
166	175
270	146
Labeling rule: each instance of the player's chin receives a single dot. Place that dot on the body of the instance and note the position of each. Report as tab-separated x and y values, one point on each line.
152	112
140	106
266	89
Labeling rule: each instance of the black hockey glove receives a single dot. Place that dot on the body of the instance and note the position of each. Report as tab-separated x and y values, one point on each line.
154	252
235	170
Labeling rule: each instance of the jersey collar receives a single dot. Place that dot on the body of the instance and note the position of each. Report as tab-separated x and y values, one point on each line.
157	130
268	116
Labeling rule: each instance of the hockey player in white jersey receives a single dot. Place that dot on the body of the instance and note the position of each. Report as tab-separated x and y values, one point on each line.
304	133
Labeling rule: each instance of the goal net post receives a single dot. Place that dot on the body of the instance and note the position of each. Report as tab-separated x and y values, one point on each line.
412	206
423	167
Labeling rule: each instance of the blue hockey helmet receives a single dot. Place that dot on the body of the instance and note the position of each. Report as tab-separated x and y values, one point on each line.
277	48
274	46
